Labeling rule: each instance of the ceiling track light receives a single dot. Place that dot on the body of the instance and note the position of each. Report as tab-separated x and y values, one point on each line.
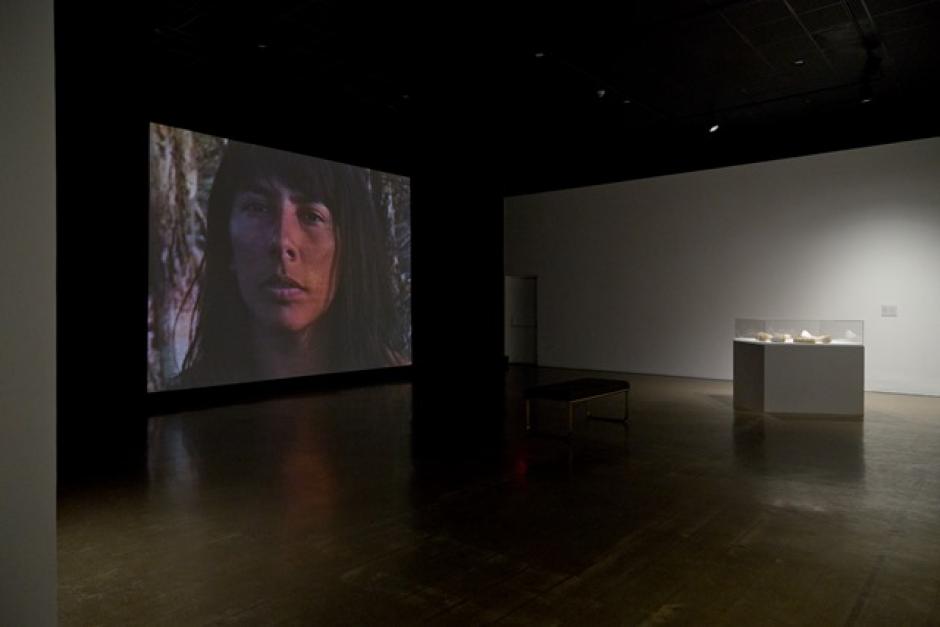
714	127
601	93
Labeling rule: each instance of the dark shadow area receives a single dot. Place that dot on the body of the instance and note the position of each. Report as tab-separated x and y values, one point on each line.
205	398
816	417
829	449
725	399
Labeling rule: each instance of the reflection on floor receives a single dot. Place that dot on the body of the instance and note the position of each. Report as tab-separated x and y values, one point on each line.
313	511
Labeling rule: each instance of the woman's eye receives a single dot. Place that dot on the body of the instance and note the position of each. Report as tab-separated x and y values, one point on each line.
310	216
252	207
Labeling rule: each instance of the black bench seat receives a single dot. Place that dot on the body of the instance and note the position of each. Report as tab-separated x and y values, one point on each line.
578	391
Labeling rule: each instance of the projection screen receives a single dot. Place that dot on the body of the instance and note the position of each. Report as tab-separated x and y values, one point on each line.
267	264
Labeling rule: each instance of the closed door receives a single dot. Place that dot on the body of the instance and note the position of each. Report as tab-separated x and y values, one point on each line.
521	325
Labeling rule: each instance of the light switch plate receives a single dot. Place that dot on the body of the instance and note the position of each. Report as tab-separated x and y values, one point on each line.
889	311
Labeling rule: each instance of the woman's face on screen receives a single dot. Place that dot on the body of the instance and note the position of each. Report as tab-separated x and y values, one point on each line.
283	254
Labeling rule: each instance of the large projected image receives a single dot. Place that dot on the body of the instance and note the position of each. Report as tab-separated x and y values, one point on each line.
267	264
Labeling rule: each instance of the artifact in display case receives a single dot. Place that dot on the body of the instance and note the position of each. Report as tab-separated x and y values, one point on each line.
805	332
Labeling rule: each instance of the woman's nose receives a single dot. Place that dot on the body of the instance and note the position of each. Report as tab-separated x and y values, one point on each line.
286	231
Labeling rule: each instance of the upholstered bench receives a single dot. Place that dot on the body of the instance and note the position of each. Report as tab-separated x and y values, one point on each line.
578	391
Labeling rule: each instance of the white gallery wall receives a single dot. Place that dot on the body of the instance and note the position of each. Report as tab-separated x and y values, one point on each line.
648	276
27	315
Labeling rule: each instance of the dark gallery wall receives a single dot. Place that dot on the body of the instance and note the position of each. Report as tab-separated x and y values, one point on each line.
101	286
107	94
27	316
458	267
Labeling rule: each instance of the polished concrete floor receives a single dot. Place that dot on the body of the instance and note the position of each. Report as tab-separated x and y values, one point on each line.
315	511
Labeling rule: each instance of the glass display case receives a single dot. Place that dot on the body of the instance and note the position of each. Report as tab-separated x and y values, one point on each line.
805	367
802	332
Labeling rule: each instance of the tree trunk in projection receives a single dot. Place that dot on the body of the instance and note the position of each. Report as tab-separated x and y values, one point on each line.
177	228
392	195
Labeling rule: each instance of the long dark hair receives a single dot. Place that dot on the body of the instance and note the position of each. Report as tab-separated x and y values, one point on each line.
360	319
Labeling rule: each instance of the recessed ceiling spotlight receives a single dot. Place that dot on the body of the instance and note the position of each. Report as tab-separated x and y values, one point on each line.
713	128
866	100
627	101
262	46
539	54
601	93
799	62
405	96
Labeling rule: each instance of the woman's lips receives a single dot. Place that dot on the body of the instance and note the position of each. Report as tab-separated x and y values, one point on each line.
284	289
287	294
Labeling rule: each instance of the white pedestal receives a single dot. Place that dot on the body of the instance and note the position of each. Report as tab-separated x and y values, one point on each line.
790	378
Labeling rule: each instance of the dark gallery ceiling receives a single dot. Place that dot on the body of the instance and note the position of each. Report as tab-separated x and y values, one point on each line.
609	92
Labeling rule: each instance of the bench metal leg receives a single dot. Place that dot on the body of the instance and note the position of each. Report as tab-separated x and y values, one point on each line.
619	421
585	399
